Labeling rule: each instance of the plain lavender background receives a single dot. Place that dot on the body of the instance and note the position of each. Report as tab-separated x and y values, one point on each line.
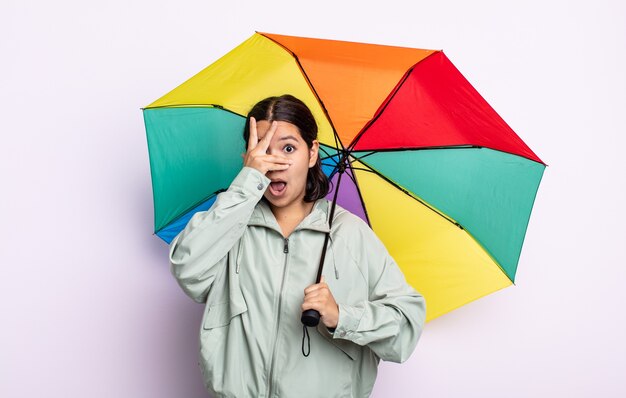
88	306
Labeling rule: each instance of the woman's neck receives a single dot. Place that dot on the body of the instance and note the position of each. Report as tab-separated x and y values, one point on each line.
289	217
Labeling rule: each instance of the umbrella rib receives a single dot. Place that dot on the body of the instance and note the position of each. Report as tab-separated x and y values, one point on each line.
196	105
372	170
188	209
338	143
358	190
353	178
362	169
388	100
325	157
328	155
371	152
361	157
424	148
334	163
452	146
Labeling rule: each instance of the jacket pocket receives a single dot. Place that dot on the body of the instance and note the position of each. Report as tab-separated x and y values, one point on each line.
216	326
349	348
220	314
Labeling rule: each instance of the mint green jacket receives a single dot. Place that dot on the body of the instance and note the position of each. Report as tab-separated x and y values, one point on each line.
235	259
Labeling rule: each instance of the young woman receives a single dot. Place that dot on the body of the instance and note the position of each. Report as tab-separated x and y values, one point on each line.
253	258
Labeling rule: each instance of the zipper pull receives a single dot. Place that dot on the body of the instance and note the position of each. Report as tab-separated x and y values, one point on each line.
286	248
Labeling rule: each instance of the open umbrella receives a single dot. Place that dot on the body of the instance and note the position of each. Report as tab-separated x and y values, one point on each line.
439	176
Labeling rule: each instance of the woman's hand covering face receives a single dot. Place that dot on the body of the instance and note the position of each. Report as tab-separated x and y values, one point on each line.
257	157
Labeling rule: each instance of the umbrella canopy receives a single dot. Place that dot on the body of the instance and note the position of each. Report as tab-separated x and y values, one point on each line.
439	176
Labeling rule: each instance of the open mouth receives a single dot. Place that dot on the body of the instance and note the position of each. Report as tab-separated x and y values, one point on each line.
277	188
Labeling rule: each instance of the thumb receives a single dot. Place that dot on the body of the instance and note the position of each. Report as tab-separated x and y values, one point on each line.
322	280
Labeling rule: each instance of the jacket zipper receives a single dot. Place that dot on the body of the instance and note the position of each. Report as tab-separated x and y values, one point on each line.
280	300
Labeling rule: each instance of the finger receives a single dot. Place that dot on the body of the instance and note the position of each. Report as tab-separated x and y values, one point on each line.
315	305
313	288
253	140
278	167
267	139
310	304
317	295
313	293
310	289
276	159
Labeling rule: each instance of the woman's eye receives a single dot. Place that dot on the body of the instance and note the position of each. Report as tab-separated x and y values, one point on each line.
289	148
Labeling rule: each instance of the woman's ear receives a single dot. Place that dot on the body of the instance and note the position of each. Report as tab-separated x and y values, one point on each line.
313	153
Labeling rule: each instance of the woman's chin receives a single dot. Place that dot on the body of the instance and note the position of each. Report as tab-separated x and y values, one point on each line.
277	202
281	201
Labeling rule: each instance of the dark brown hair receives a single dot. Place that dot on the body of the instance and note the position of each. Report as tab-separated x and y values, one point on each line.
290	109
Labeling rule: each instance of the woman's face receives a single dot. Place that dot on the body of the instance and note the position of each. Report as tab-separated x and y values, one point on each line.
288	186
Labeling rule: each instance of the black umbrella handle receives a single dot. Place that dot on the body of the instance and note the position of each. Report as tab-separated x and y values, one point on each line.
311	317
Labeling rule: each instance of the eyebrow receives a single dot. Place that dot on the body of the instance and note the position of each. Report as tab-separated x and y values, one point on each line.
287	137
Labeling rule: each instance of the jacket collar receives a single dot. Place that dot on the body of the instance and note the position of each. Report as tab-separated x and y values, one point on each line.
317	220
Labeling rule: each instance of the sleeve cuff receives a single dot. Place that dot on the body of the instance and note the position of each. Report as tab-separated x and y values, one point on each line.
349	319
251	181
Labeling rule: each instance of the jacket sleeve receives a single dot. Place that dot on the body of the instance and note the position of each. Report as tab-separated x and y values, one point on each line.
391	321
198	252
